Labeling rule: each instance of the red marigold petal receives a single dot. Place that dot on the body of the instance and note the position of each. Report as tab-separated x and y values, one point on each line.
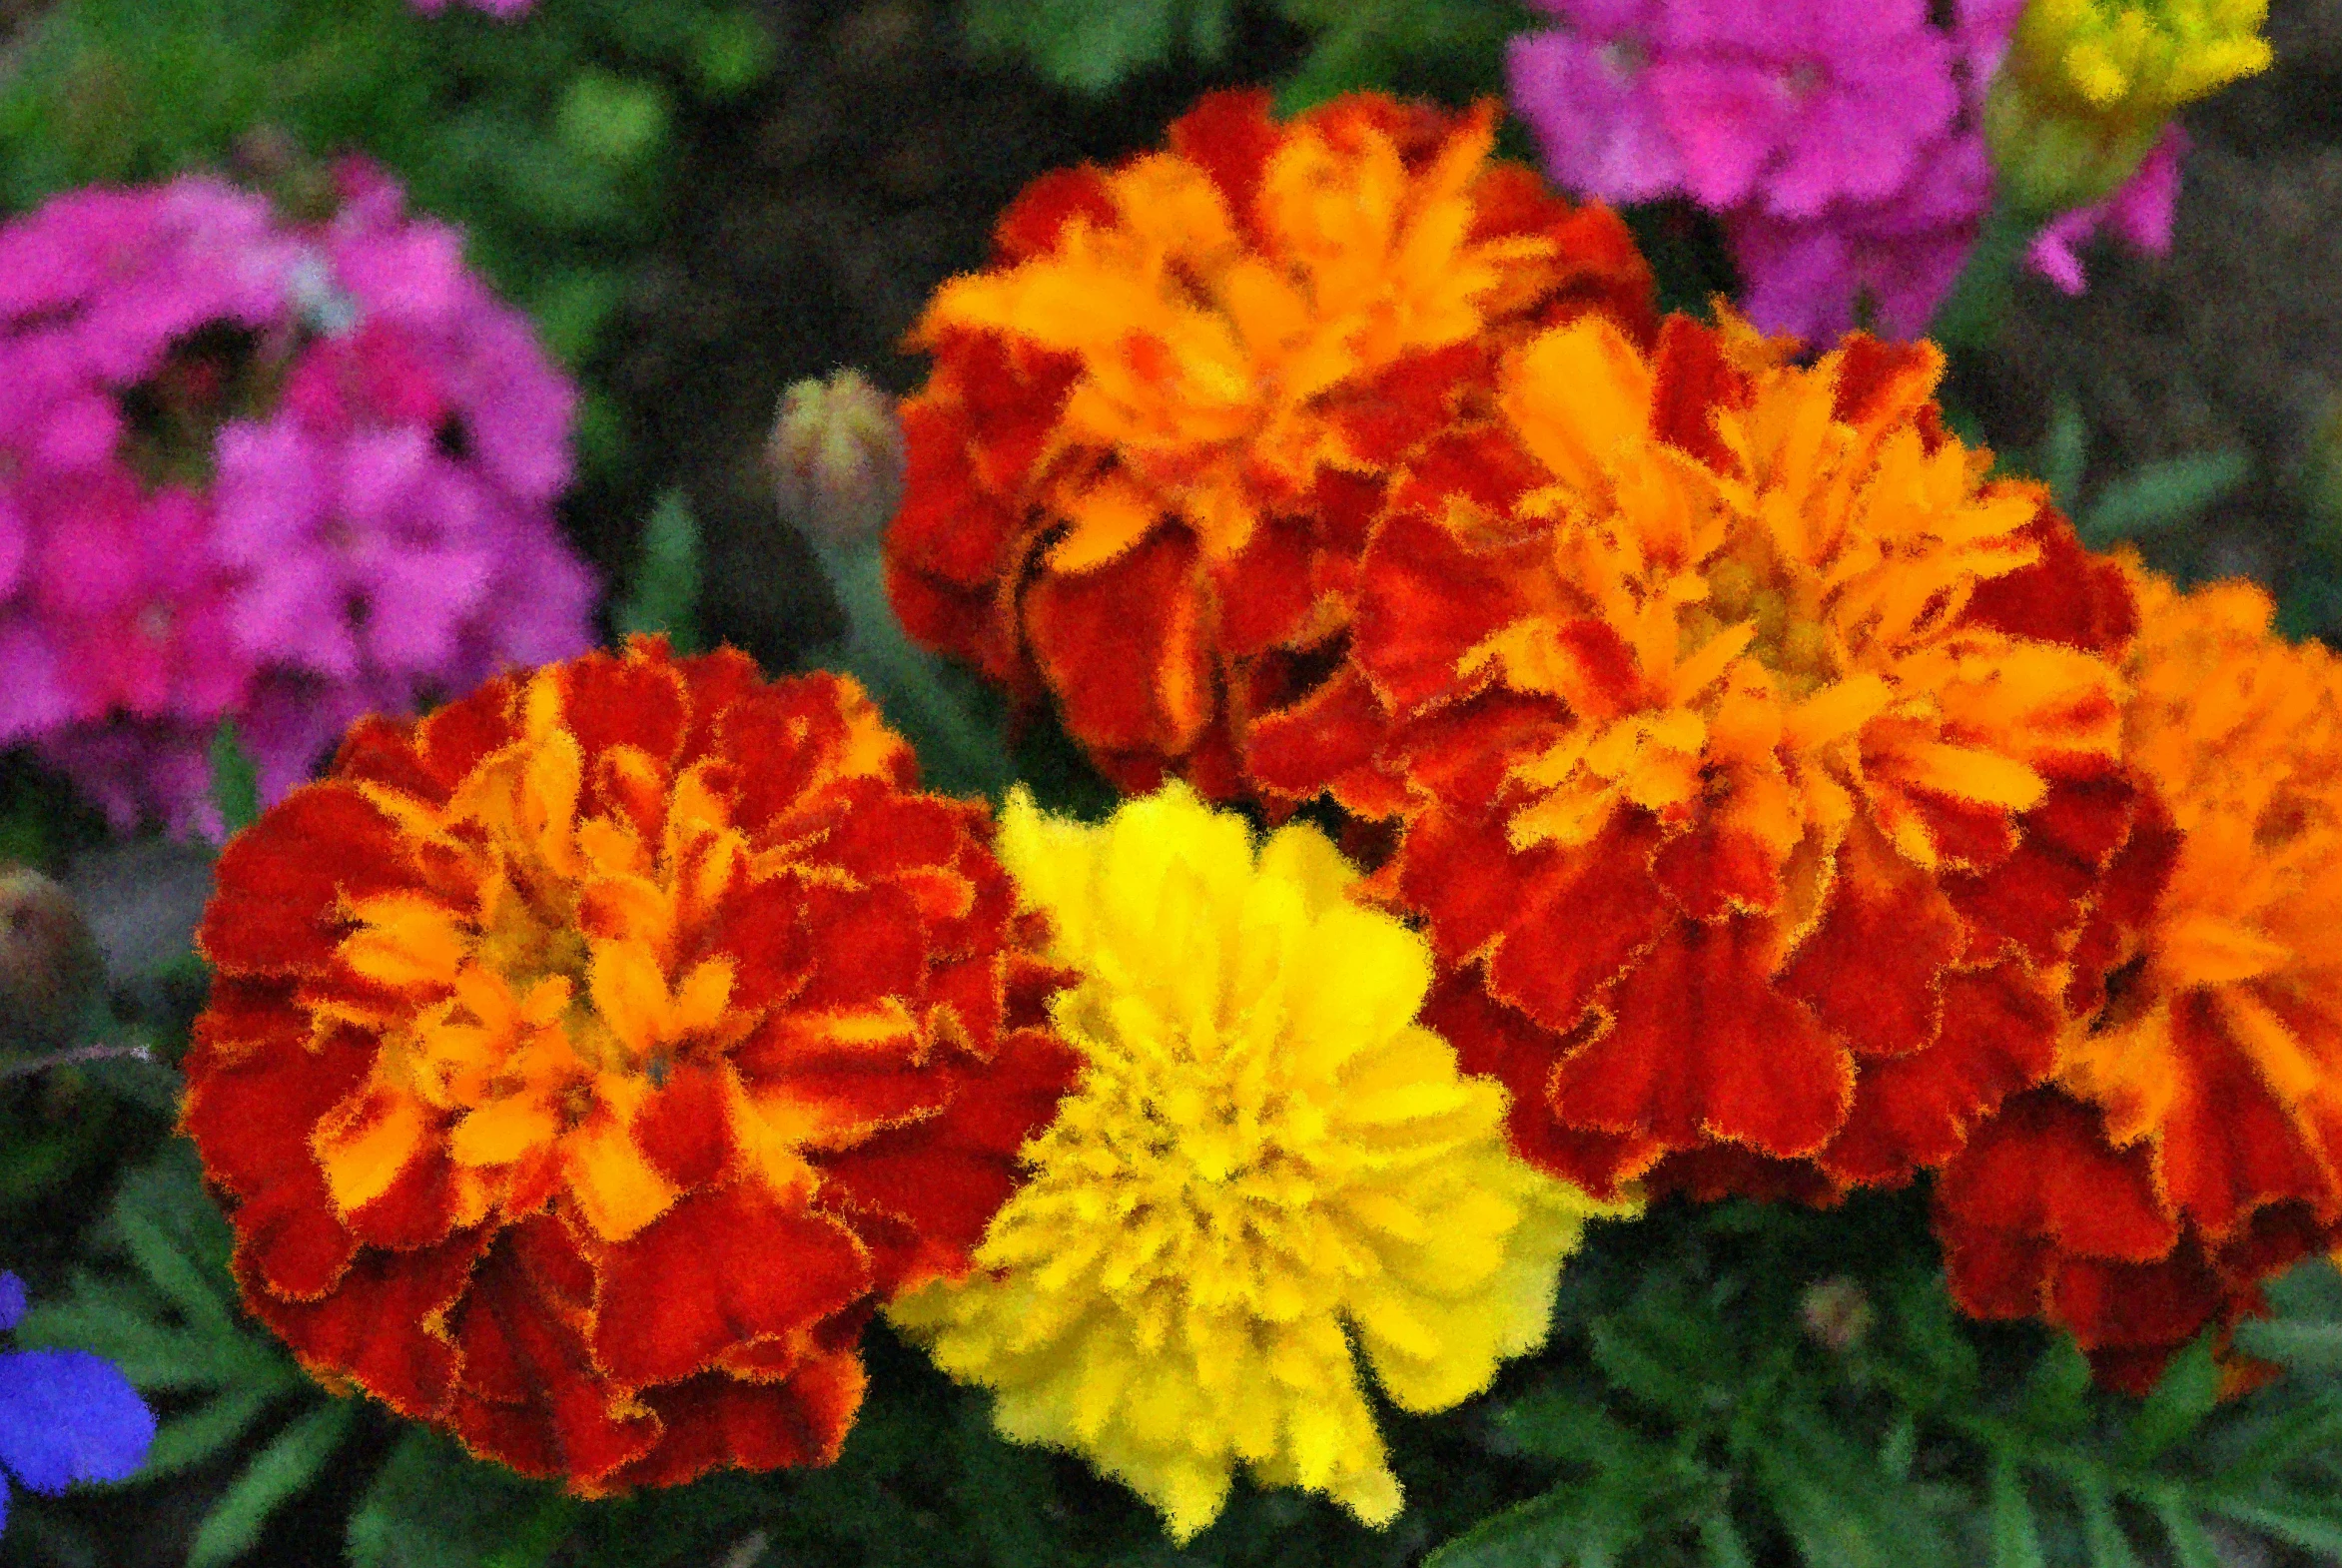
1264	591
1321	741
1692	381
1503	1042
867	944
376	1326
1995	1276
683	1127
1577	921
1603	269
949	528
2106	1306
1703	1047
1230	135
1408	401
280	881
2066	596
1423	602
1912	1113
383	751
418	1210
2125	904
575	1426
455	738
1722	1170
639	700
290	1247
939	1182
2041	1169
717	1269
1711	870
2227	1147
1124	648
255	1088
1036	219
1874	968
714	1421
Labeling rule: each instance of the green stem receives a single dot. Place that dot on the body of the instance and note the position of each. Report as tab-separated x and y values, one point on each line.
534	1546
1970	314
957	753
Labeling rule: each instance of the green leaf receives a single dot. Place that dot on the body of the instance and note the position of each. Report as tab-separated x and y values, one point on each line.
290	1462
2101	1528
616	121
2304	1348
1720	1541
2312	1523
191	1439
2064	450
2057	1388
1092	46
1527	1535
1627	1357
2288	1440
666	593
1552	1424
2190	1547
236	787
2163	496
2187	1392
432	1504
2017	1540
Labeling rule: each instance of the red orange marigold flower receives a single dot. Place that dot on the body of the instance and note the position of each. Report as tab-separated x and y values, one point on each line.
2190	1144
1160	425
587	1059
1763	755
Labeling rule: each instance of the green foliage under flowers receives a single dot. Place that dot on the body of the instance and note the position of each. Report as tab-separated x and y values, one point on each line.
1453	47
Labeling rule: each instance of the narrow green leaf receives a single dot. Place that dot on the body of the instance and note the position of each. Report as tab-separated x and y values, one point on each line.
2064	450
434	1505
1552	1424
2186	1395
1720	1542
664	597
2017	1540
2305	1347
290	1462
2057	1388
2101	1528
194	1437
236	787
183	1280
1630	1364
2190	1547
2290	1439
2312	1523
2163	496
1528	1535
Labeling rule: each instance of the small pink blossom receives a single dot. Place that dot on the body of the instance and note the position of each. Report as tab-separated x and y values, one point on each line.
285	474
1837	141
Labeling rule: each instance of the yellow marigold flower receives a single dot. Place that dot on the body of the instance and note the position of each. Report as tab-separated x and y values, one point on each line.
1266	1164
2087	85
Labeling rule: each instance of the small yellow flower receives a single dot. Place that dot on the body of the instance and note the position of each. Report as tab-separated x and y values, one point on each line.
1266	1168
2087	86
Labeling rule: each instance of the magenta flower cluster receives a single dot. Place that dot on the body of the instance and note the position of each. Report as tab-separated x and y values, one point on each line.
1838	140
253	470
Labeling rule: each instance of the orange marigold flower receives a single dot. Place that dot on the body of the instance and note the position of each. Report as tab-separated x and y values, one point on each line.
1160	424
1763	756
2190	1144
588	1059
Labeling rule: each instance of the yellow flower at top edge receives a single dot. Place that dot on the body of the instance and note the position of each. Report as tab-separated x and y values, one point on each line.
1266	1172
2087	86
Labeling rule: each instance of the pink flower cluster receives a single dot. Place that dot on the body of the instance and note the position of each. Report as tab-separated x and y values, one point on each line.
285	474
1837	138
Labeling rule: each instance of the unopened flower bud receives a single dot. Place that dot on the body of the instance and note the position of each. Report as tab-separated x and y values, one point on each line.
837	453
2087	86
1837	1313
49	962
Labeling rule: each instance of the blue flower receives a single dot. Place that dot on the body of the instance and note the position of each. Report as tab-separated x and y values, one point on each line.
65	1416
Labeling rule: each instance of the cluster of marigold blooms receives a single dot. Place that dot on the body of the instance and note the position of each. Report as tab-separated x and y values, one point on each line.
1740	793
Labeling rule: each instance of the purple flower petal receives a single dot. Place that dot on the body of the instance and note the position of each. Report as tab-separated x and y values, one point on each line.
68	1416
